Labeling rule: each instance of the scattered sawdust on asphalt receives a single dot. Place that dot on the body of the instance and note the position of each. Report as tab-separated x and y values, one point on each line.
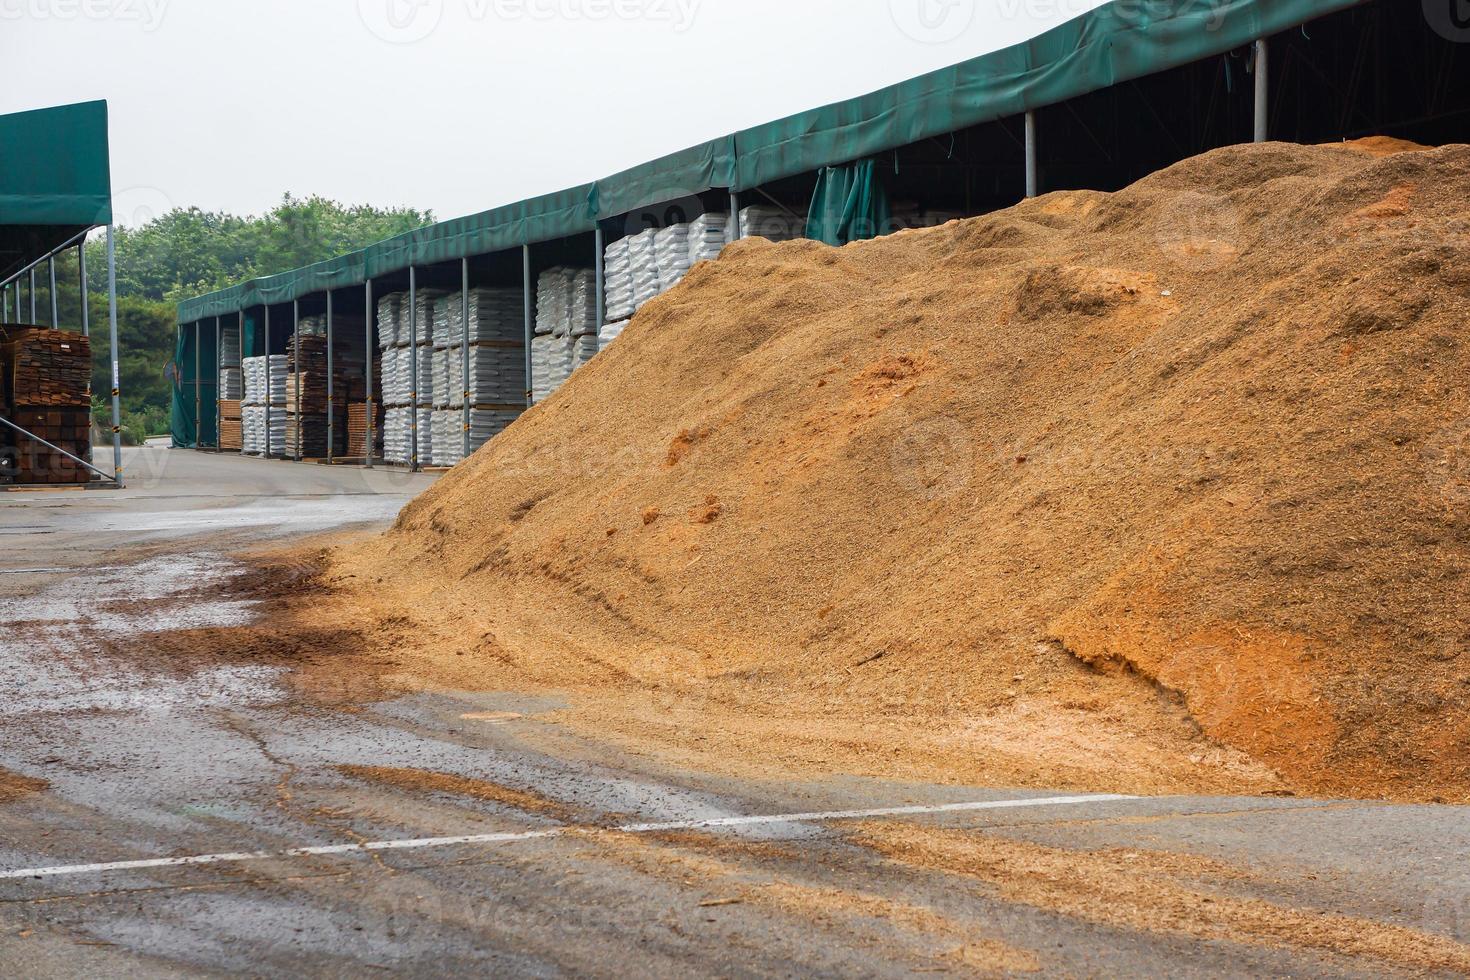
14	786
1152	892
423	781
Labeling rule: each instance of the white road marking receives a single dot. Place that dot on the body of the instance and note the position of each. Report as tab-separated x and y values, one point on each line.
507	838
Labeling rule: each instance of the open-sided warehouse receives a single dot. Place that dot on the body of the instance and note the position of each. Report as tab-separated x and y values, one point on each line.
55	187
1097	101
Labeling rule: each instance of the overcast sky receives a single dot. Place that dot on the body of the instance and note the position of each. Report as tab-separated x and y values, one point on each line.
456	105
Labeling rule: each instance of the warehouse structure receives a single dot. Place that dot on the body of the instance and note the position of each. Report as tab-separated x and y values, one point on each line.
55	187
1097	101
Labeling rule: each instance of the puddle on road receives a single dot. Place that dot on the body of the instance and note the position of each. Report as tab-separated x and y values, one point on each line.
50	654
275	516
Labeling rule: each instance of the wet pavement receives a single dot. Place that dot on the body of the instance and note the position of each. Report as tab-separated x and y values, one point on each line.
563	874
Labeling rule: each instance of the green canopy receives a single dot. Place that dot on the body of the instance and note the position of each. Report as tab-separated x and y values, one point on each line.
849	204
1113	43
54	179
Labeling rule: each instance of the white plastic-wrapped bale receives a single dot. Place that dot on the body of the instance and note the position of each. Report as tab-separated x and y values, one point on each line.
583	349
447	316
390	317
447	447
231	384
776	224
552	290
398	438
265	374
447	369
253	437
582	304
423	383
422	328
643	262
671	254
707	235
496	314
618	273
497	375
543	355
610	332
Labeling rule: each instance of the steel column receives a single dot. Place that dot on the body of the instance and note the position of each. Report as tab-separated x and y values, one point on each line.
464	353
1033	176
369	321
413	370
331	388
198	402
732	233
32	275
82	278
112	336
55	308
1262	67
530	318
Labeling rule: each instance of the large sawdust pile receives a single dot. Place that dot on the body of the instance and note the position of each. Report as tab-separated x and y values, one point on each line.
1185	465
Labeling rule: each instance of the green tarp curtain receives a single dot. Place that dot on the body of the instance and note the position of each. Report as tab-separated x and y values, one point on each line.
186	435
1116	42
849	204
54	179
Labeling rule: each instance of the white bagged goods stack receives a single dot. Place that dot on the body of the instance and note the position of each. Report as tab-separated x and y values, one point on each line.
671	254
610	332
543	354
496	315
497	375
582	303
447	371
446	316
584	349
265	380
397	439
707	235
766	221
425	301
618	271
390	315
643	262
447	445
552	289
231	380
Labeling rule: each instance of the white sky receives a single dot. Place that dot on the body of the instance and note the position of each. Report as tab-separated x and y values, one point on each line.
456	105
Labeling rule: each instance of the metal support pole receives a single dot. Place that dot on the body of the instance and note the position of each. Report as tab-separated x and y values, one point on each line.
1033	177
464	354
198	402
55	309
372	416
112	336
32	275
267	454
601	276
733	233
331	388
296	357
5	305
530	300
82	278
1262	92
413	370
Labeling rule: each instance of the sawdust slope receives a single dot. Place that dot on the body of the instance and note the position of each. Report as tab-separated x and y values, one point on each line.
1206	436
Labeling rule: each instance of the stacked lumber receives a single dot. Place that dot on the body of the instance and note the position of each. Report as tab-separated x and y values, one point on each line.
47	368
306	436
357	431
66	428
231	426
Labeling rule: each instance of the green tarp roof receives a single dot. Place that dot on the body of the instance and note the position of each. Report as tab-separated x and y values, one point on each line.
54	179
1116	42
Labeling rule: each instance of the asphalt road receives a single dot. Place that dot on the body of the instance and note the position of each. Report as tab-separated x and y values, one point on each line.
206	820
